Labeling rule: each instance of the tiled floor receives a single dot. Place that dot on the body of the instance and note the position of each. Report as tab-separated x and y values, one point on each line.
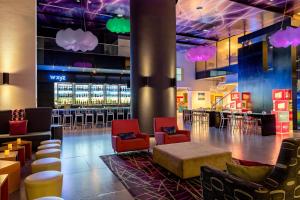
87	177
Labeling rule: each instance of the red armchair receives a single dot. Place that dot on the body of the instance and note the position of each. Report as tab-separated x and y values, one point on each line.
164	138
124	126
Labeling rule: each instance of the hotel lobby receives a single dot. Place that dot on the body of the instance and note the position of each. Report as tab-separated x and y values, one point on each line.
150	99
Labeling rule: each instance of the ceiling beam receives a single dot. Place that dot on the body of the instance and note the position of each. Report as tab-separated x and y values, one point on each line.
197	37
188	43
262	6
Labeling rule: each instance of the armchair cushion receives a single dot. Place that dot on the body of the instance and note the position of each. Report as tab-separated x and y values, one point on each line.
169	130
127	136
249	173
18	127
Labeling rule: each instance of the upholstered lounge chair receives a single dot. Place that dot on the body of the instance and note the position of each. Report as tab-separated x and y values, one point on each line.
165	138
282	183
141	142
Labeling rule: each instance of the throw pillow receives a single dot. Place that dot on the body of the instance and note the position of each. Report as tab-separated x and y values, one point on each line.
169	130
127	136
249	173
18	127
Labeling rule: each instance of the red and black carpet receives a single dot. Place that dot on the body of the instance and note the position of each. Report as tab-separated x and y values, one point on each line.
144	179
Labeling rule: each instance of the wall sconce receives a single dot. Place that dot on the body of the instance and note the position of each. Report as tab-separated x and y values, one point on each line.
145	81
173	82
4	79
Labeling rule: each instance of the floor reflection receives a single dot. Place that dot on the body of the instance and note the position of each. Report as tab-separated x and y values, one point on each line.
87	177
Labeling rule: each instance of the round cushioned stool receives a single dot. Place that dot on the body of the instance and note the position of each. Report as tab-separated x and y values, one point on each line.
49	146
48	153
49	198
43	184
46	164
51	142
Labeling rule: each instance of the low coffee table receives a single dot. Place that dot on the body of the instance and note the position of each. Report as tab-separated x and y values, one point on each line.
185	159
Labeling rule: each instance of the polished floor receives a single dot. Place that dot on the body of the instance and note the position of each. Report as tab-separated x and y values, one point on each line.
86	177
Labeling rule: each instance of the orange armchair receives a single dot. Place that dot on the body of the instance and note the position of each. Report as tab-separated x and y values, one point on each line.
140	142
163	137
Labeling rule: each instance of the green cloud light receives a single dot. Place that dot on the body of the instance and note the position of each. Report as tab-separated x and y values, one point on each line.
118	25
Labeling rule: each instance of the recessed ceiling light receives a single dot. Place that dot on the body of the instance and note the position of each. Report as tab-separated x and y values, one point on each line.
205	30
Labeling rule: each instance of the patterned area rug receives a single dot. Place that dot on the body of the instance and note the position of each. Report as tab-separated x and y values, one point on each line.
144	179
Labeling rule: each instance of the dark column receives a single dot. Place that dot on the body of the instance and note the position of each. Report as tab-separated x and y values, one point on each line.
153	60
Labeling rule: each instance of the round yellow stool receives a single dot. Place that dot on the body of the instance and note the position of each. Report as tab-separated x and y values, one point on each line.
49	198
49	146
43	184
47	153
51	142
46	164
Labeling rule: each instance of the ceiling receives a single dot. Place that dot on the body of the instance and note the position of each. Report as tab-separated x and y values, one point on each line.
198	21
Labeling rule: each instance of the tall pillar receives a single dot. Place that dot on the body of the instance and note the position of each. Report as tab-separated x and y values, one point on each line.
153	60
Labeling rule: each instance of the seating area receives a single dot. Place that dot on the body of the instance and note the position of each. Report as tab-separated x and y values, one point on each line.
150	100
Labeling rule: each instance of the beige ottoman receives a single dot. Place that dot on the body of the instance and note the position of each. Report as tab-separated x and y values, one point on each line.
48	153
185	159
46	164
43	184
49	146
51	142
49	198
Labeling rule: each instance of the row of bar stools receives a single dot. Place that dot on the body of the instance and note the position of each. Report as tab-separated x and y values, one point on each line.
85	118
46	180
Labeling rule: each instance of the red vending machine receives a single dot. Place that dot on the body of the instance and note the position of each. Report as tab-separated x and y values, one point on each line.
282	108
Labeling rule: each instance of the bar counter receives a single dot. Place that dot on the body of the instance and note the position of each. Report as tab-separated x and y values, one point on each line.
268	122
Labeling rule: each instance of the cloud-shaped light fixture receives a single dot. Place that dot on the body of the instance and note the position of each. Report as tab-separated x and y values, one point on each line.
200	53
285	38
118	25
76	40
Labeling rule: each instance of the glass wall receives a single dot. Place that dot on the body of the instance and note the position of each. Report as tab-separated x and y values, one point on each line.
223	53
227	54
234	46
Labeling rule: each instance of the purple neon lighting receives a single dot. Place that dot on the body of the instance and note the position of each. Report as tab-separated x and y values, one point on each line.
201	53
285	38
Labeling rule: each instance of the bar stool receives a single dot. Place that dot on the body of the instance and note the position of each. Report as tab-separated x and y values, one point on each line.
187	116
110	116
67	119
223	119
128	114
79	118
89	118
249	123
100	118
196	116
55	117
204	118
120	112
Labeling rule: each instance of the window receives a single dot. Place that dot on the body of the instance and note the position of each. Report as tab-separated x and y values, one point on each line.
179	74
